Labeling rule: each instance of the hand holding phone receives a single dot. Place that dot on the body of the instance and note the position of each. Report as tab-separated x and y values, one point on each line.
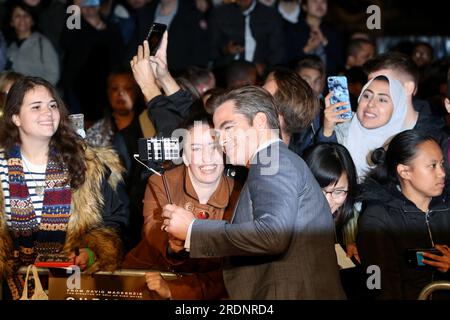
154	36
332	115
415	256
338	86
440	261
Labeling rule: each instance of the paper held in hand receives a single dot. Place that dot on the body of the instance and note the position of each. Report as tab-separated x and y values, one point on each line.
344	262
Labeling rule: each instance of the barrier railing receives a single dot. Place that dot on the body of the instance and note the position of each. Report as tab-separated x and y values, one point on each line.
167	275
434	286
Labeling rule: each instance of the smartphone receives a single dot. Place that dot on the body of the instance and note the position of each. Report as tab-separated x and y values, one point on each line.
415	256
154	36
159	149
339	87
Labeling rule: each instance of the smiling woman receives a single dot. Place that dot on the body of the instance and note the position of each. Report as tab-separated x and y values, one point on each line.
51	187
381	113
39	117
200	187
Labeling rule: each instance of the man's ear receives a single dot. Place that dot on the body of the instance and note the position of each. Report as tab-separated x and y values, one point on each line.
350	60
410	88
260	121
404	172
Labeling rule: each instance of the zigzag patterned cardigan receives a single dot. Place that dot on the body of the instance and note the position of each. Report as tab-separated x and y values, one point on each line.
85	227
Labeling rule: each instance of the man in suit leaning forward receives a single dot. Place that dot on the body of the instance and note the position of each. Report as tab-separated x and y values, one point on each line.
280	243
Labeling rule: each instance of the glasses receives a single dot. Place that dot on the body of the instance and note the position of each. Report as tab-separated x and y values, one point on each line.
336	194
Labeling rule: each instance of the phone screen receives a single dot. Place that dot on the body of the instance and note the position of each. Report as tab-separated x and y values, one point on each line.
154	36
339	87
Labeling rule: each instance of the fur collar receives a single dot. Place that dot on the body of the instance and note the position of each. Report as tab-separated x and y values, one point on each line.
85	224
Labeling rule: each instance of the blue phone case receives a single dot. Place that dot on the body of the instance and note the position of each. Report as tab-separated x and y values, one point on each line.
338	86
419	255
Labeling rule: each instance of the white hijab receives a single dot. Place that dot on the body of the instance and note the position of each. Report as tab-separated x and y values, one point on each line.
360	141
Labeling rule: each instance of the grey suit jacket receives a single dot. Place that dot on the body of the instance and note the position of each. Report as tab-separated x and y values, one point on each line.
280	243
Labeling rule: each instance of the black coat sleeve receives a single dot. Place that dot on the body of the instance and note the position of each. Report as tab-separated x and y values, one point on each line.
115	211
167	112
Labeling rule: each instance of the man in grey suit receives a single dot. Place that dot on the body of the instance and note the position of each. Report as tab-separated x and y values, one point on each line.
280	242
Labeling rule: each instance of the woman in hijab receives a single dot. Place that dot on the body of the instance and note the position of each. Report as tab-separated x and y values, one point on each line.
380	115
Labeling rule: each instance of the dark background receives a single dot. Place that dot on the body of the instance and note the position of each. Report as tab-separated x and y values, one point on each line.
430	17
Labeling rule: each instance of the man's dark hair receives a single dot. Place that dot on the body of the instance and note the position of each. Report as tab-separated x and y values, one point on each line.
356	45
249	101
295	100
238	73
310	62
395	61
197	75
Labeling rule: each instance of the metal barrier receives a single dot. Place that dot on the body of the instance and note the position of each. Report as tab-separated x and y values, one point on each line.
167	275
434	286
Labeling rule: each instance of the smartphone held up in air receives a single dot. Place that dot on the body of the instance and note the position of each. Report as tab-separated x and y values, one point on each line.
154	36
338	86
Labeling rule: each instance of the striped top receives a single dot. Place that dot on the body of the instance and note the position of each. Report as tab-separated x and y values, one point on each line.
34	176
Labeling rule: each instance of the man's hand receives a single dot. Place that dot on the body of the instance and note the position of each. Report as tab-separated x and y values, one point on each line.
161	69
143	73
176	221
156	283
159	60
232	48
176	245
442	263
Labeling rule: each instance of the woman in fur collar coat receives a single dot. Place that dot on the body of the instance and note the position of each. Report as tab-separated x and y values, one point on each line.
56	195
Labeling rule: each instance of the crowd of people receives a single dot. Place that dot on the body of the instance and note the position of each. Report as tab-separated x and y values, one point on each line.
272	185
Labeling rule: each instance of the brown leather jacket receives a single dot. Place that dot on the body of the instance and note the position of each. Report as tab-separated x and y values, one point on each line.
206	281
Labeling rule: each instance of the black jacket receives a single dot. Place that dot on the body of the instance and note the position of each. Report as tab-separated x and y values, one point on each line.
227	23
188	37
297	36
388	226
431	124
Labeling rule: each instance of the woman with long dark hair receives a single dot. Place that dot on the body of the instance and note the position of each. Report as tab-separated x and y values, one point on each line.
57	195
334	170
200	186
406	200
